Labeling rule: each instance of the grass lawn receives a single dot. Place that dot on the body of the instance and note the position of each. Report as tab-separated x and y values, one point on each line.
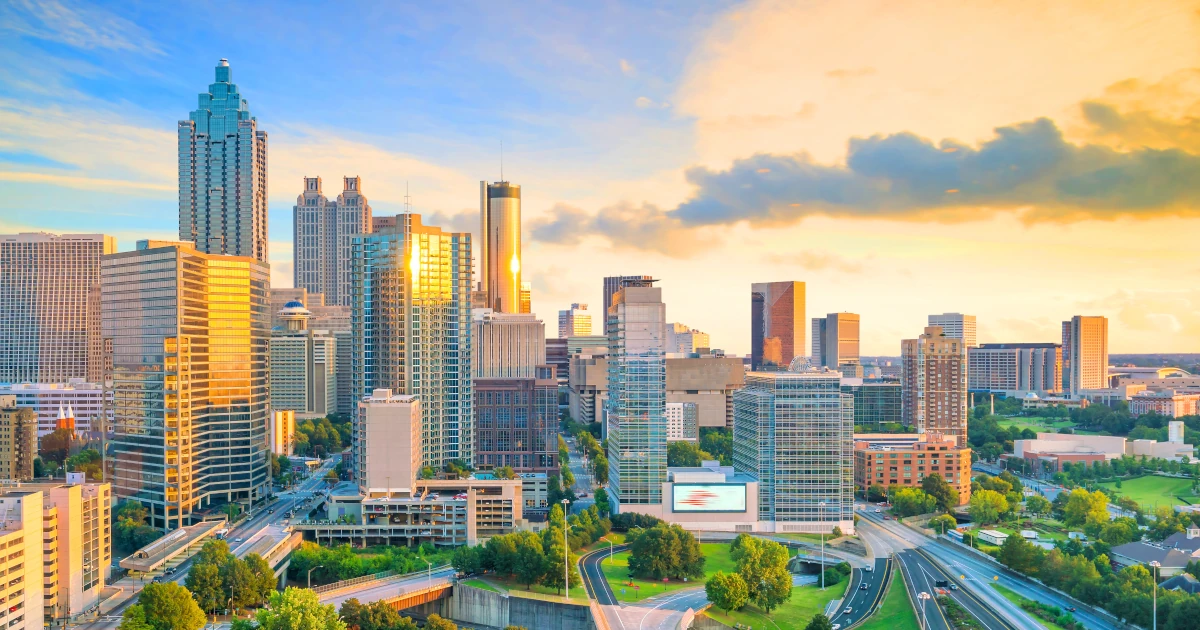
480	584
515	587
896	612
809	538
806	601
1152	489
1011	596
615	537
1036	424
617	571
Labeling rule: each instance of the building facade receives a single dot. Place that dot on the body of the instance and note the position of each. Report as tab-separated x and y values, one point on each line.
793	432
50	307
612	284
682	422
1169	403
1085	354
500	245
83	403
283	432
387	444
637	397
776	324
957	326
880	463
575	321
303	366
22	522
878	403
516	422
412	328
1015	368
507	345
684	340
190	418
835	340
77	545
18	440
934	384
706	381
223	174
322	233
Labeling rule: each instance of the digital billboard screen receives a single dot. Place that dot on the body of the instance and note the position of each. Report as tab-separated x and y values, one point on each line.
708	497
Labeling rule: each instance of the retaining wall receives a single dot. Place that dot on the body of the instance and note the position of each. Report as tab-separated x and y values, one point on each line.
469	605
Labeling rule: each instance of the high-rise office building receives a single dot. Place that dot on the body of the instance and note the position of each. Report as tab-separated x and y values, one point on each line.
516	422
412	328
223	174
344	366
507	345
303	366
50	307
1085	353
776	324
574	322
188	344
637	396
500	245
1015	368
684	340
934	384
18	440
957	326
835	340
322	233
878	403
612	284
794	432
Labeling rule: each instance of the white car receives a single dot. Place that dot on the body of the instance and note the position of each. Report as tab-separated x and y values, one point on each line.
877	510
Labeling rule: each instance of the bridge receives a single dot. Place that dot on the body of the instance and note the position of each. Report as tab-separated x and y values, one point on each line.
159	552
398	591
275	544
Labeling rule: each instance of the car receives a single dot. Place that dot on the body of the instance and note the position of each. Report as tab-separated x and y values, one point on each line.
886	517
863	587
954	587
847	611
237	540
869	569
836	626
1070	609
877	510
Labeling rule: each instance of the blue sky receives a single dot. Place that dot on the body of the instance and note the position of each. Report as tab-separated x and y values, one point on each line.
864	148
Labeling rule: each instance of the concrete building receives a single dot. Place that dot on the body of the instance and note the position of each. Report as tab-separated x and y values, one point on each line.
322	238
223	174
18	440
612	284
500	245
412	328
1085	354
957	326
1014	369
50	307
516	422
934	384
558	358
303	366
283	432
877	402
637	398
714	498
574	322
588	387
684	340
22	521
1154	378
526	297
706	381
507	345
83	403
1172	403
792	431
776	324
190	420
682	423
344	367
880	461
1051	450
387	444
835	341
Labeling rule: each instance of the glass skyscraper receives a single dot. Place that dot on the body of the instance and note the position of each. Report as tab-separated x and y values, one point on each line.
187	339
500	254
223	174
794	431
411	328
637	396
776	324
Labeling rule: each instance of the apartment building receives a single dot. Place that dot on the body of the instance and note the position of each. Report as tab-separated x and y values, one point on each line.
880	460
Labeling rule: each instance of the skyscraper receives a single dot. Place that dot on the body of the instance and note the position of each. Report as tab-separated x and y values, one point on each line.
612	284
517	422
526	297
956	326
776	324
223	174
303	366
411	325
187	342
1085	353
500	253
934	384
794	432
574	322
323	231
637	397
507	345
835	340
50	307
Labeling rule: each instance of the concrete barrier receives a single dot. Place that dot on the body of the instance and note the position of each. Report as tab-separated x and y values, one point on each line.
475	606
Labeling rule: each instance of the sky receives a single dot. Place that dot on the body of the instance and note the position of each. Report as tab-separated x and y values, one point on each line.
1020	161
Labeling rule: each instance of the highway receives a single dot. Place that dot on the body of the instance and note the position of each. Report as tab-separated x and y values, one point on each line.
862	601
663	611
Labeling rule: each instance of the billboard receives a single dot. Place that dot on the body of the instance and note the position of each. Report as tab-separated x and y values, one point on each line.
708	497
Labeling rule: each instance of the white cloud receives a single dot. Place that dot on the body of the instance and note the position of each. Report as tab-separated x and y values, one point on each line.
81	27
627	68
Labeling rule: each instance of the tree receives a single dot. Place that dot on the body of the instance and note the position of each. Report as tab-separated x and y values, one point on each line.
1116	534
467	560
875	492
1021	555
169	606
945	494
436	622
1083	506
911	501
298	609
819	622
987	506
726	591
685	454
505	472
942	523
530	563
554	564
600	468
135	619
374	616
602	504
665	551
719	442
56	446
1038	505
762	564
264	578
204	581
239	583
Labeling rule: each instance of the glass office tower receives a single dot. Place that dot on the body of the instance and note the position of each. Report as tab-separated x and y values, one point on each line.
411	328
500	229
187	341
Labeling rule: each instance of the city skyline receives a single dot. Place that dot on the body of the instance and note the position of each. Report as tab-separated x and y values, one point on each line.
651	140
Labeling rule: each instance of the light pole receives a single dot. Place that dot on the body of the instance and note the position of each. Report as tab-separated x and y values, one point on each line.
429	576
924	597
319	566
567	554
822	505
1155	565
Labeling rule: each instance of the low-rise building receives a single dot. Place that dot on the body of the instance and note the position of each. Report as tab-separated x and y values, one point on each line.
892	460
1173	554
82	402
1169	402
1051	450
682	422
18	440
992	537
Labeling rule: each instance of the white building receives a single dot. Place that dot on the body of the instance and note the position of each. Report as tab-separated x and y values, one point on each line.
682	422
1015	368
84	402
303	366
957	326
387	444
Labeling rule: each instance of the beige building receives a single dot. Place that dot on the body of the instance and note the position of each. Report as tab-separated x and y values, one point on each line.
1084	354
835	341
18	440
957	326
682	339
324	316
934	384
707	381
23	563
283	432
77	541
506	345
1168	402
387	444
303	365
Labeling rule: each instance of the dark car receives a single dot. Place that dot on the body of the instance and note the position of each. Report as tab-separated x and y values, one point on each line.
1070	609
862	587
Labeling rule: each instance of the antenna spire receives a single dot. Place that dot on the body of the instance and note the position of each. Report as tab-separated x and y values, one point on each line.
407	199
501	160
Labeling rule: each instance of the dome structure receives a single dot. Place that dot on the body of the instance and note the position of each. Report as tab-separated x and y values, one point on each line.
294	316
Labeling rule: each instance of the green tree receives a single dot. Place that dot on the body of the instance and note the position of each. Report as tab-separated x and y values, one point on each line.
911	501
530	563
987	506
554	565
1021	555
1038	505
718	441
599	467
664	551
1082	506
1116	534
685	454
436	622
762	564
819	622
239	583
264	578
602	504
943	493
726	591
204	581
215	551
169	606
942	523
467	560
135	619
875	492
298	609
505	472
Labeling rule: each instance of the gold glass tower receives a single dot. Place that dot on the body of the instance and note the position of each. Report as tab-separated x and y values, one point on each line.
500	229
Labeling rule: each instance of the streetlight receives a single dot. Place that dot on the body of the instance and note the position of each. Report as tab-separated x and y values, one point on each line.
319	566
822	505
1155	565
923	596
429	576
610	547
567	554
